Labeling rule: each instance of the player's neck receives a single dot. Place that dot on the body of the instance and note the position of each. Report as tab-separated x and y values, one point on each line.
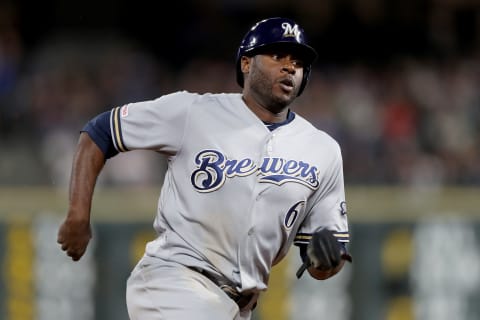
265	114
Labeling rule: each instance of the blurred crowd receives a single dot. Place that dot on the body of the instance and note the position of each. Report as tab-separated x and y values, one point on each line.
414	121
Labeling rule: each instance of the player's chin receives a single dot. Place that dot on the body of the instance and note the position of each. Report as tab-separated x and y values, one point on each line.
286	95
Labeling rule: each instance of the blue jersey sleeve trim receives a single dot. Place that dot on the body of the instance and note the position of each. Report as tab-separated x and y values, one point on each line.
99	130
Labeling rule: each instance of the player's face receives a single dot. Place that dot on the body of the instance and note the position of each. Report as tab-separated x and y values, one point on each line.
274	78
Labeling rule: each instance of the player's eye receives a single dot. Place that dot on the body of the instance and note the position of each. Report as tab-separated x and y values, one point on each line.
276	56
298	63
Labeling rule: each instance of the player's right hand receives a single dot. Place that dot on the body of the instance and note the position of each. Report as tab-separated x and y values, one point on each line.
73	236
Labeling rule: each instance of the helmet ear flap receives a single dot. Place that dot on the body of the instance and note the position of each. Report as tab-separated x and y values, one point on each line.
306	76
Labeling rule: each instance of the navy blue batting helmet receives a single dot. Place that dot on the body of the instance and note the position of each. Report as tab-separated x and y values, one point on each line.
277	33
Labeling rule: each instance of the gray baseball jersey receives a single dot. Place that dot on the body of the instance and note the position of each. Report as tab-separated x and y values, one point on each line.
236	195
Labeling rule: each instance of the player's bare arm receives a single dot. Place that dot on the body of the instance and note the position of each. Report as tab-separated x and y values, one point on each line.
75	232
325	274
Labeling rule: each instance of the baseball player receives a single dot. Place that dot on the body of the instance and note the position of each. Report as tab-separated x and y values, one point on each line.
247	177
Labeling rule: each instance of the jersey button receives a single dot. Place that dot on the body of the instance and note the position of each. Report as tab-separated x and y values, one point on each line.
251	231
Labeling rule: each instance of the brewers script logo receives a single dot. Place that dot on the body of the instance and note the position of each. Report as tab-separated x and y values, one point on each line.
213	168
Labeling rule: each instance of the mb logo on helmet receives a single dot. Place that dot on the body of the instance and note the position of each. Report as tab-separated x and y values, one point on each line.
290	31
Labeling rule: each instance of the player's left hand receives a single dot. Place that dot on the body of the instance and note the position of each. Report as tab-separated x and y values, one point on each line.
74	236
325	254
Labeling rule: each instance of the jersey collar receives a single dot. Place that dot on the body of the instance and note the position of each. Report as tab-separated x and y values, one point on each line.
274	125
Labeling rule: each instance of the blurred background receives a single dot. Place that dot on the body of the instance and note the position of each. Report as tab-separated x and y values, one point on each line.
397	83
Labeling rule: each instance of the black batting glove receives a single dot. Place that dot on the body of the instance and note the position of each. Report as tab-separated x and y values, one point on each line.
323	252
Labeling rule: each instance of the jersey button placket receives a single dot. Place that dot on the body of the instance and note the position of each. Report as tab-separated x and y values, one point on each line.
270	144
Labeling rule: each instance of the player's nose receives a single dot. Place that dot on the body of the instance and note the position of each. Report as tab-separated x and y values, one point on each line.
288	65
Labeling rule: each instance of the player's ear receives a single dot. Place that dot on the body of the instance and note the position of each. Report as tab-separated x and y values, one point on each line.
245	64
